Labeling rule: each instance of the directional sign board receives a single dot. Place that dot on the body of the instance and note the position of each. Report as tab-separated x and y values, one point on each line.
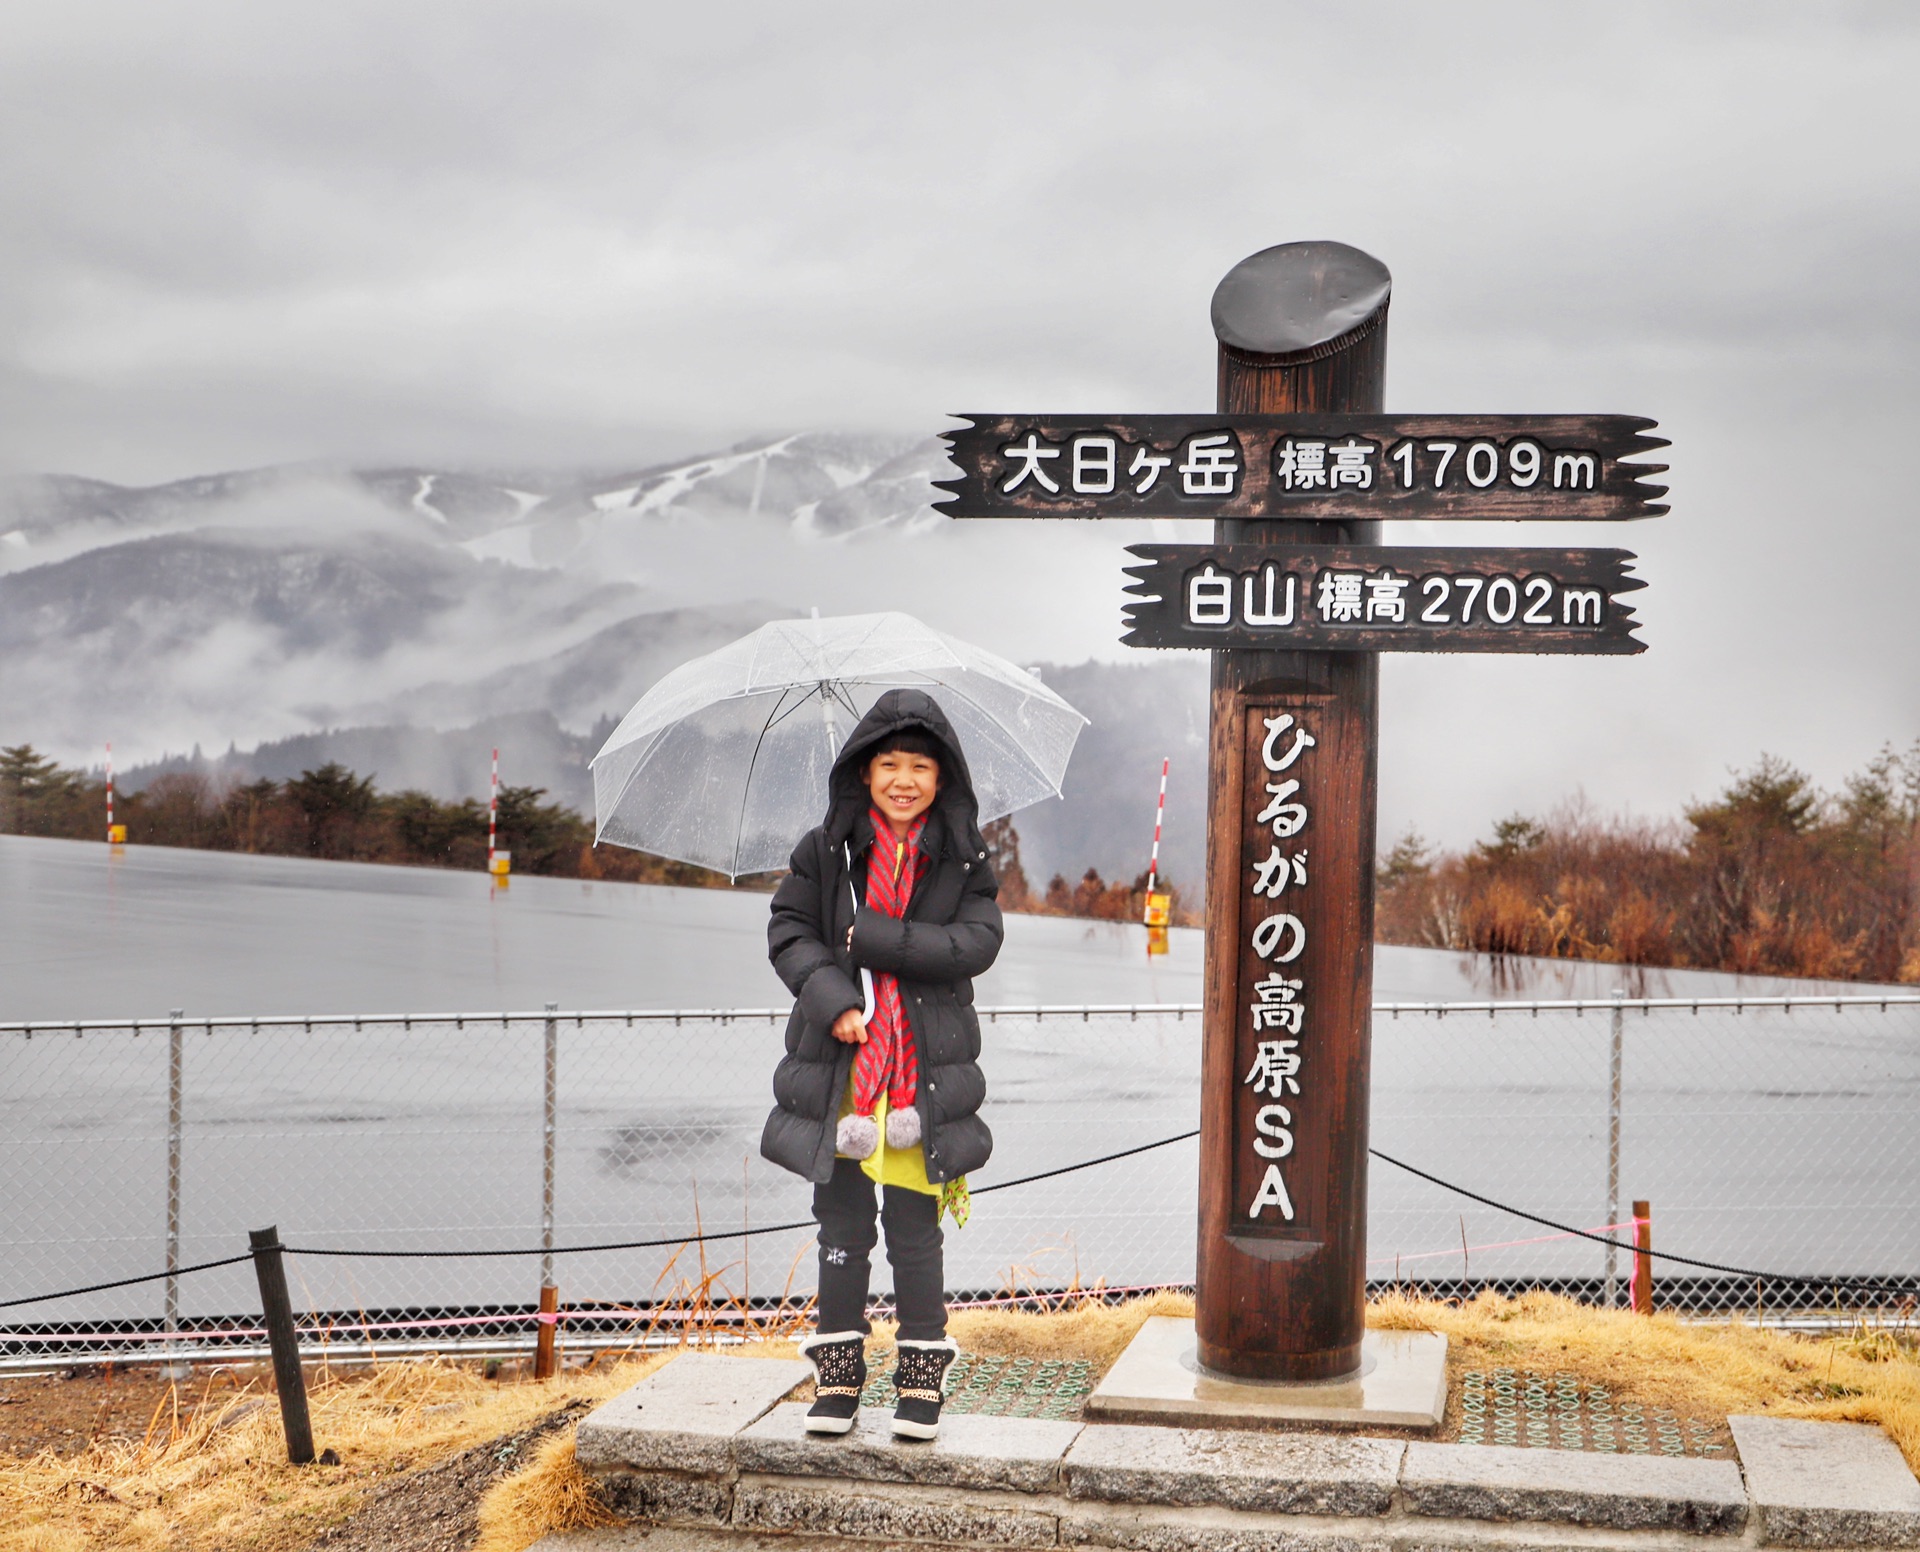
1346	468
1379	598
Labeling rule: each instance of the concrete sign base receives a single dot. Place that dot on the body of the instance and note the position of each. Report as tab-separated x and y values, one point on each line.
1402	1384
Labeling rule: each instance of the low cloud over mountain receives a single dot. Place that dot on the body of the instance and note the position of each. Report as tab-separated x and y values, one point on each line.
402	620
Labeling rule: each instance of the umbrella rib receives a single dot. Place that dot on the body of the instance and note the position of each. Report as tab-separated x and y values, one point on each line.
626	785
808	692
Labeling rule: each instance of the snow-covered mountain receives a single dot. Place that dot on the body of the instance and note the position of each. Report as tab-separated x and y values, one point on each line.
277	601
282	606
815	483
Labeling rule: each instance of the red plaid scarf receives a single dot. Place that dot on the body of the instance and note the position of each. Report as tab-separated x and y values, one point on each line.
888	1060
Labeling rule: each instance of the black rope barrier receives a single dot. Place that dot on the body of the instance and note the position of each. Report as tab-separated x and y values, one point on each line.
720	1234
1628	1245
126	1282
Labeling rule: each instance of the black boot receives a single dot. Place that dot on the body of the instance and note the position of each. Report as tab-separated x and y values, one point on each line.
919	1381
839	1360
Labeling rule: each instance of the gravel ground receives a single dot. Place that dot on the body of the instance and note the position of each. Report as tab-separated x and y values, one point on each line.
66	1411
437	1509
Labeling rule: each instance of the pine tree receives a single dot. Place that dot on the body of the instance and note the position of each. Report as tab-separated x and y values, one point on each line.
30	785
334	801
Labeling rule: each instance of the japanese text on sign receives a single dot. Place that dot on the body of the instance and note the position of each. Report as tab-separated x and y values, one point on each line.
1305	466
1379	597
1097	464
1278	937
1382	598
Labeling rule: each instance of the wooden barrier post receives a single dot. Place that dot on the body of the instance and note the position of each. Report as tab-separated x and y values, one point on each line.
1281	1273
269	1267
543	1343
1642	1262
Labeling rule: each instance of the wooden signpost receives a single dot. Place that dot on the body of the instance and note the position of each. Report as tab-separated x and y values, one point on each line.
1295	598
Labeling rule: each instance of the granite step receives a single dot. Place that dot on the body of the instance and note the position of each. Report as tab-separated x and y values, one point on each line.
709	1453
1571	1487
1827	1484
1010	1454
1297	1473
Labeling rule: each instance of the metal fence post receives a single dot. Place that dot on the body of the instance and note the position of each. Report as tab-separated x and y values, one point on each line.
175	1368
549	1141
549	1296
549	1136
1613	1144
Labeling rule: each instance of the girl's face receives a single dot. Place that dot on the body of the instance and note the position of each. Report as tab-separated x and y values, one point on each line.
903	786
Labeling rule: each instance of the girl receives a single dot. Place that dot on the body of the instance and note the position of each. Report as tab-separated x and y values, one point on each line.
878	931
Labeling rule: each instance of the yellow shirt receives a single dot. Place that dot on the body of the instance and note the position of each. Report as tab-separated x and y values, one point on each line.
891	1166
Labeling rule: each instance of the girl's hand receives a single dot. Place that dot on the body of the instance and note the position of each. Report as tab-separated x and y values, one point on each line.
850	1028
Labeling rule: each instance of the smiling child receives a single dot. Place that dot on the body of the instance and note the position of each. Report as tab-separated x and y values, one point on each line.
878	930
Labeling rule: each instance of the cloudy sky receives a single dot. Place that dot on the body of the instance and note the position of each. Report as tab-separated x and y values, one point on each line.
520	234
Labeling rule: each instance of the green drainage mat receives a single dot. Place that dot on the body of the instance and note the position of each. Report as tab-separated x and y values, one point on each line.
997	1386
1558	1412
1497	1406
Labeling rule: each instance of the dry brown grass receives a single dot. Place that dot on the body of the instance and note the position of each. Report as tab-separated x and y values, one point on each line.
1092	1330
552	1494
212	1474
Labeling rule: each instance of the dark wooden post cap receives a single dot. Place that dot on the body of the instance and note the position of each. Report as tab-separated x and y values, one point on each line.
1300	300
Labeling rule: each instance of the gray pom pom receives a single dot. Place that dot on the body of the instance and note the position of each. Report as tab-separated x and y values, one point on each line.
857	1136
903	1127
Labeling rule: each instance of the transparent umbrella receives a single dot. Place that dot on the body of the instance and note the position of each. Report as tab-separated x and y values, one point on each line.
724	762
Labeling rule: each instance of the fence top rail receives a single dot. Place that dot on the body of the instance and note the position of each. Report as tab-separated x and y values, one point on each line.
483	1019
990	1012
1879	1000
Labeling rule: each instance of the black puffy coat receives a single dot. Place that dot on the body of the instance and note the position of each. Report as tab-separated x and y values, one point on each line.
950	933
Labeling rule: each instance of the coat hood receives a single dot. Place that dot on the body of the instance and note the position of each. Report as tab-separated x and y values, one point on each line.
900	711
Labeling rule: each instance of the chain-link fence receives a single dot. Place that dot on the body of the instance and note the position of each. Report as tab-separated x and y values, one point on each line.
1778	1136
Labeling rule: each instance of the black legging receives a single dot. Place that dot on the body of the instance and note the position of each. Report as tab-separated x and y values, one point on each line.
844	1209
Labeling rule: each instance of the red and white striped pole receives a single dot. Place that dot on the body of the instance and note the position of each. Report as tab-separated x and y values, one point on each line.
1159	814
109	792
493	810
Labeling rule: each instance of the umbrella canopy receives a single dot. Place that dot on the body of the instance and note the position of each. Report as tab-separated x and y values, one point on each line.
724	762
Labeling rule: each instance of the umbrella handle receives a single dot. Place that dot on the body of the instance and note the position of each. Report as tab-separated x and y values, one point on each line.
866	976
